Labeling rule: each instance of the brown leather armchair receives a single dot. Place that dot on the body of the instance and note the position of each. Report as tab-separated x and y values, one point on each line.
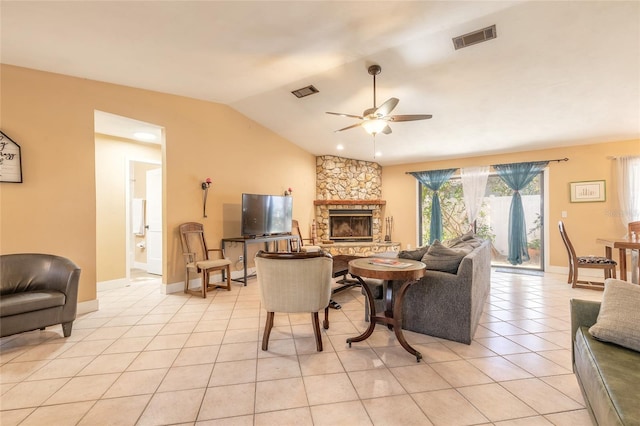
37	291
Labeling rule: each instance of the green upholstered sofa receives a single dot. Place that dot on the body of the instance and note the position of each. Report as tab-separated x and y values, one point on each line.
608	374
37	291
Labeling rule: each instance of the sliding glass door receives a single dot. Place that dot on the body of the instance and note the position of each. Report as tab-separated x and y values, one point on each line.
493	220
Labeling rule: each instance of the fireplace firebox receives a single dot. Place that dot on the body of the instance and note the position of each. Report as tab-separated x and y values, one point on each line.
350	225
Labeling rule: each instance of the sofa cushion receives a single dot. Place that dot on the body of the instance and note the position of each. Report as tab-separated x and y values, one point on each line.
444	259
416	254
619	317
608	375
464	237
29	301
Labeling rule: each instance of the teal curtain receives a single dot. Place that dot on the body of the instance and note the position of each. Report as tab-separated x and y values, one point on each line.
517	176
433	180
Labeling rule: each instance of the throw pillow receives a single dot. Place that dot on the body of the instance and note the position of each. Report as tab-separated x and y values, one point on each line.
619	317
464	237
413	254
441	258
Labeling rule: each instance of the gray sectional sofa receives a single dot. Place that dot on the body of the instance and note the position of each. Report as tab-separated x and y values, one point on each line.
37	291
608	373
446	304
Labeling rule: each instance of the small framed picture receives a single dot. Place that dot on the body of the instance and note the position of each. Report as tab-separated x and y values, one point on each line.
10	160
591	191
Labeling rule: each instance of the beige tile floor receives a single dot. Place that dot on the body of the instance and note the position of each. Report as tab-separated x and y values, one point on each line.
150	359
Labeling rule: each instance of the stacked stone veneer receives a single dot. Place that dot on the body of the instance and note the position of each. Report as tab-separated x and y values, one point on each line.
357	183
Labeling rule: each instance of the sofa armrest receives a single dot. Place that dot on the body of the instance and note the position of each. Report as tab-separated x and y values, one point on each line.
584	313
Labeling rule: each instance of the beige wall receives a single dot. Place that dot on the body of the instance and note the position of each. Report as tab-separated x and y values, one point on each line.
54	210
585	221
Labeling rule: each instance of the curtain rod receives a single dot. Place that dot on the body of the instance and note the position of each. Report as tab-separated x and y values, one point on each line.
539	161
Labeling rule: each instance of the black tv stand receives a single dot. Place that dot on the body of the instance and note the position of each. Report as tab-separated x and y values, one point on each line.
252	239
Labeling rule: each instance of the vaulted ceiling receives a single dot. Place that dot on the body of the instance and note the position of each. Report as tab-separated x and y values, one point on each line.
559	73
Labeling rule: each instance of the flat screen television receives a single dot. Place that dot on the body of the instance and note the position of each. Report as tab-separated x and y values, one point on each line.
266	214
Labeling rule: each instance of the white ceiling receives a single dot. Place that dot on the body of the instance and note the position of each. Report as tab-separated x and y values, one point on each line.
559	72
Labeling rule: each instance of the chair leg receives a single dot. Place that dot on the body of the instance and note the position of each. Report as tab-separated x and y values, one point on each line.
267	331
228	278
205	283
186	281
316	330
66	328
613	272
325	323
574	277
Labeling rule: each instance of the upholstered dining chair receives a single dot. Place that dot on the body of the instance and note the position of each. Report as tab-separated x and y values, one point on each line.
294	283
201	259
591	262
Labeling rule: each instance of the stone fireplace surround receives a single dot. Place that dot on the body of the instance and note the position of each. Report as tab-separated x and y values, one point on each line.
346	184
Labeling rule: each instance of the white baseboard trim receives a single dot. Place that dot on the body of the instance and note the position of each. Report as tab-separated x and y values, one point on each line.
583	272
112	284
87	306
172	288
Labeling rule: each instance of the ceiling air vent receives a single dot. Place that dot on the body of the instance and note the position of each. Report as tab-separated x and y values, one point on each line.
475	37
305	91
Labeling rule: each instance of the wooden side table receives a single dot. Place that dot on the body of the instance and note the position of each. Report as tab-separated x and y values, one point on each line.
392	315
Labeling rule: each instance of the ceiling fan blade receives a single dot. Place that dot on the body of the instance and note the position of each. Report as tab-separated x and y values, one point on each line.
410	117
386	130
345	115
348	127
387	107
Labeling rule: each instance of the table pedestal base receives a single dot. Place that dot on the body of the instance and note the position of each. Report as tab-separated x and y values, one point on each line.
392	315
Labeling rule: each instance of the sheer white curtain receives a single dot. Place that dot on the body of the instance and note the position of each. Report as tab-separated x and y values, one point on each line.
629	188
474	182
629	198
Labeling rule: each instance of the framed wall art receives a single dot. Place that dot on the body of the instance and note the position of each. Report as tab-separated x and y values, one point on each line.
590	191
10	160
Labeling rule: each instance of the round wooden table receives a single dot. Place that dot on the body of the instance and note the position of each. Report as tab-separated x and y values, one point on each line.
387	269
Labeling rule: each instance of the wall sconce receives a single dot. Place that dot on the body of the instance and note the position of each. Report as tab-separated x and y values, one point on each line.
205	191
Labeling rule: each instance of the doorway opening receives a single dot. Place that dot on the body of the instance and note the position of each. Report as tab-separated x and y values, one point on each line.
129	222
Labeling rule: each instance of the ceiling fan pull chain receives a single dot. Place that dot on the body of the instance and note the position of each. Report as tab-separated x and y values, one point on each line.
374	143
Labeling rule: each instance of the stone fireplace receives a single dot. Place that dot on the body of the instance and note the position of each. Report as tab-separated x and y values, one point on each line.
349	213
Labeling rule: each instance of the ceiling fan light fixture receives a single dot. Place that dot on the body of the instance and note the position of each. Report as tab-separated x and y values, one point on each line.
374	126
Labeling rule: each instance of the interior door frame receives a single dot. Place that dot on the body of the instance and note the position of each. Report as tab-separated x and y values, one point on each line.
129	240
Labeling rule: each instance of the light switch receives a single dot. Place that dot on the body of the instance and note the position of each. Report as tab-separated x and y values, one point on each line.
564	213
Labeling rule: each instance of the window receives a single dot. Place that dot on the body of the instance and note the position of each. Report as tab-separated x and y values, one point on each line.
493	219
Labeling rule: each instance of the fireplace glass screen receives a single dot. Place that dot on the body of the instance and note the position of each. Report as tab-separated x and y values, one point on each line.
350	225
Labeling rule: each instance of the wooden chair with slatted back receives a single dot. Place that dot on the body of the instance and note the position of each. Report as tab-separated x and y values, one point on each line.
295	230
201	259
590	262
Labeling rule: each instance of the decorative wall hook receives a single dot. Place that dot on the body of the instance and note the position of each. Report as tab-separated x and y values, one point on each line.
205	191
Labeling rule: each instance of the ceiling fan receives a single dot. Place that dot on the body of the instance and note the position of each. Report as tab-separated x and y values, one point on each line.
376	120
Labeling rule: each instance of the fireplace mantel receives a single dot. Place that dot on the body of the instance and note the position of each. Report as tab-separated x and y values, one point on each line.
349	202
